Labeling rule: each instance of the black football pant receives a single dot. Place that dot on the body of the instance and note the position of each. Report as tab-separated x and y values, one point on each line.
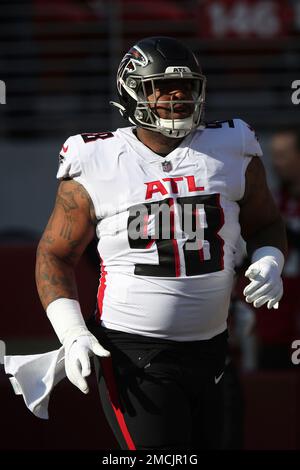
162	394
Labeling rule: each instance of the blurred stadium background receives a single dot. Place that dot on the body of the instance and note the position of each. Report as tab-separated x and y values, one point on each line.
58	59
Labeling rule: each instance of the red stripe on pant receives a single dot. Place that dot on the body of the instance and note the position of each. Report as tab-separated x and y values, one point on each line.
101	290
108	373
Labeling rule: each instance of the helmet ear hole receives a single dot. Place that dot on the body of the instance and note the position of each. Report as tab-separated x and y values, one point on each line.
139	115
132	83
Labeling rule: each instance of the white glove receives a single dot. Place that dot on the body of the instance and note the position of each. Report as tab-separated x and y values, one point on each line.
79	344
265	275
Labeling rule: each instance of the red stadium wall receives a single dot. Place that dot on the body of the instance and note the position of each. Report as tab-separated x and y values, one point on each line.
22	315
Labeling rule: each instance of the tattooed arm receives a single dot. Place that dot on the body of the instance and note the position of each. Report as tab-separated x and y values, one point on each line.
70	229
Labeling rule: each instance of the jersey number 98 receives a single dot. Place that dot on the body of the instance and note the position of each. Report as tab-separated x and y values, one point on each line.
201	256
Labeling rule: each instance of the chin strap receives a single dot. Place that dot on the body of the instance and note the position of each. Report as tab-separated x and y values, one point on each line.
182	127
176	128
175	134
121	108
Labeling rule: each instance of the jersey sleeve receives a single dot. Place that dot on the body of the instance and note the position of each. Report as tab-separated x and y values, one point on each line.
69	161
251	146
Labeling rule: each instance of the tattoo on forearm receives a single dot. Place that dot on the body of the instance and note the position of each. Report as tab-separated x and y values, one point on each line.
60	248
54	277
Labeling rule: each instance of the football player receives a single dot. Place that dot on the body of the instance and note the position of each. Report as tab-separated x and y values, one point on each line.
168	198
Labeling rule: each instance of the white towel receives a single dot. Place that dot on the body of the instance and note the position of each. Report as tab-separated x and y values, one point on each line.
34	377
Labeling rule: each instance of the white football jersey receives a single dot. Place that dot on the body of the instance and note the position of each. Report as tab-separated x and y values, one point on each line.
165	274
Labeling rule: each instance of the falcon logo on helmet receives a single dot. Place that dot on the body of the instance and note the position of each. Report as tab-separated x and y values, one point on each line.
128	64
150	60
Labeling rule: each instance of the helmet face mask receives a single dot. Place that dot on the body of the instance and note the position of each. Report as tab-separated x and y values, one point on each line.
149	66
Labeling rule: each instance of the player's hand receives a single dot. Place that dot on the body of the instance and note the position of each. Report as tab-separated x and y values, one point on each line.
79	346
266	283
